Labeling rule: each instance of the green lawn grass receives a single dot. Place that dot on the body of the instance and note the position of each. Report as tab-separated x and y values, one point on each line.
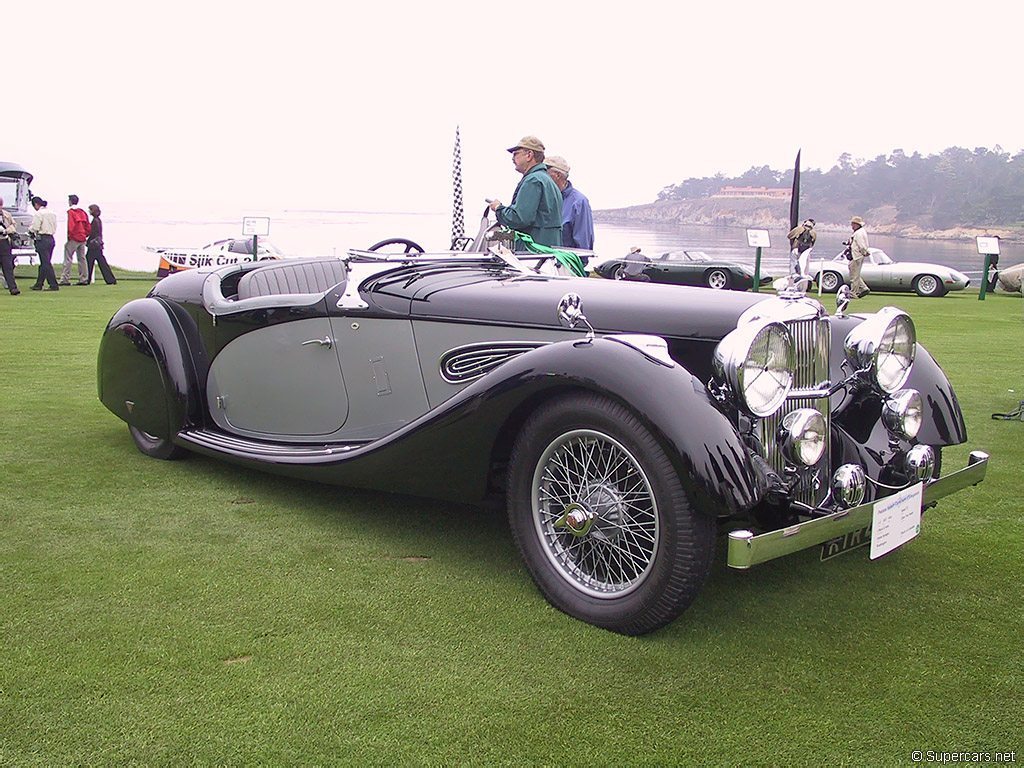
194	612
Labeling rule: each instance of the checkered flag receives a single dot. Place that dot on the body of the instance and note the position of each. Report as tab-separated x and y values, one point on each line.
458	213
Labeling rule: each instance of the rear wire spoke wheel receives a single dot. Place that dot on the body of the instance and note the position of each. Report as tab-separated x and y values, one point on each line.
601	519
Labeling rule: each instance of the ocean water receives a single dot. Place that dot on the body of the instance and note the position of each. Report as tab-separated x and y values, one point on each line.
129	227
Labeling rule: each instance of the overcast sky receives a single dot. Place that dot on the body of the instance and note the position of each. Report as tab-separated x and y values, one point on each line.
354	106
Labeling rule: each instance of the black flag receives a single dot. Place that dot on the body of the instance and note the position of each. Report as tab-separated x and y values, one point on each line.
794	200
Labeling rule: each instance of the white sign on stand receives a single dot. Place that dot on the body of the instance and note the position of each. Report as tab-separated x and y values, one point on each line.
896	519
758	238
256	225
988	246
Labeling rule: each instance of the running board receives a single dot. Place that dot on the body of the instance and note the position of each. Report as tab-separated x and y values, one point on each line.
221	443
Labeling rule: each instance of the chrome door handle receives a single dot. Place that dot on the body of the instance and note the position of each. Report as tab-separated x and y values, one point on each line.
326	341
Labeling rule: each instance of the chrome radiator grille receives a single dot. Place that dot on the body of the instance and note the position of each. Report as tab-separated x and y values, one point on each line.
812	341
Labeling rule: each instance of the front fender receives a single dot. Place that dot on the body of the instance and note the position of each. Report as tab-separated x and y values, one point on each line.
145	375
710	458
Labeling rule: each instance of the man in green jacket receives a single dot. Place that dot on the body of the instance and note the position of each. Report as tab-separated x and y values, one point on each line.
536	207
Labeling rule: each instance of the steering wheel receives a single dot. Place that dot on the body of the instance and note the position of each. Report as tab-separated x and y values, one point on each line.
411	247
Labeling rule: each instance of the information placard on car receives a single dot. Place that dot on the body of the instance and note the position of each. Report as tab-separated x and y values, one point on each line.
895	520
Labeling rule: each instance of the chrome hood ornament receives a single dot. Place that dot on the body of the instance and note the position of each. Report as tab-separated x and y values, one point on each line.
843	297
570	313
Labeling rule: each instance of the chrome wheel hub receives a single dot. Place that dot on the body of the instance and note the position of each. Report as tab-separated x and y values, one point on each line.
595	514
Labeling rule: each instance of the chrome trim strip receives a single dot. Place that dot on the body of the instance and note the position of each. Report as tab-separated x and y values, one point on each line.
216	441
747	549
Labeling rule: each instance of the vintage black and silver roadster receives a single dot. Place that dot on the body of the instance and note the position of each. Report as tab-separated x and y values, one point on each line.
624	423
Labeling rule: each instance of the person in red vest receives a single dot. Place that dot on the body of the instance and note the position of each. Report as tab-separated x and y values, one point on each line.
78	233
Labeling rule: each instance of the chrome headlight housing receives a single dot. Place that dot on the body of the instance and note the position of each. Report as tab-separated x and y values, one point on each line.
920	462
848	485
884	345
756	363
803	436
902	413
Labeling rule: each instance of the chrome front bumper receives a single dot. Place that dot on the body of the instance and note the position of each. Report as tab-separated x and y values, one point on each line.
747	549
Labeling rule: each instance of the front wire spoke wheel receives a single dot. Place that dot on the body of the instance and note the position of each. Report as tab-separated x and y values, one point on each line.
608	545
600	516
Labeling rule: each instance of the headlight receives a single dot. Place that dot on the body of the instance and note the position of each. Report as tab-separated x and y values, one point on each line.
884	345
902	413
756	362
803	436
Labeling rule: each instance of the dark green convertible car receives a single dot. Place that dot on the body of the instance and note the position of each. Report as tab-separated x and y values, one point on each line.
680	268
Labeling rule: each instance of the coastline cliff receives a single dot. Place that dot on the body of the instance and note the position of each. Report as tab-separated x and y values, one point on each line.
774	214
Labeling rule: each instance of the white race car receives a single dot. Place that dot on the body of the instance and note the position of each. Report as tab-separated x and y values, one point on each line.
219	253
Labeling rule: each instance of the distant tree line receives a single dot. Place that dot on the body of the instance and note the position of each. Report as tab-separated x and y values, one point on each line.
957	187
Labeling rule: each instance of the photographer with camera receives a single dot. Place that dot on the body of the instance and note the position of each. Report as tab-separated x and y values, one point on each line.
858	251
801	240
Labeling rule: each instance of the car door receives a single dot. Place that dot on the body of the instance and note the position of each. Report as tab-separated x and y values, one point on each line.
668	269
281	380
382	374
877	274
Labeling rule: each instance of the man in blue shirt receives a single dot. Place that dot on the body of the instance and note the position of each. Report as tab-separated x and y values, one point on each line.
536	207
577	218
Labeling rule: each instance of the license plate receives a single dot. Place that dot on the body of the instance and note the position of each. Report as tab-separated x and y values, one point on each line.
846	543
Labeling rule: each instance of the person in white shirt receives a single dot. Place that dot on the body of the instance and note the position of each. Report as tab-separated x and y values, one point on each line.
42	229
7	229
858	252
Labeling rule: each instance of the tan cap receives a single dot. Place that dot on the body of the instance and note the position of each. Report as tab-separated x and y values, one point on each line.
528	142
557	163
857	220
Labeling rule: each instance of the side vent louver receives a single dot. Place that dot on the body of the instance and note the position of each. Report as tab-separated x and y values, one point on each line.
464	364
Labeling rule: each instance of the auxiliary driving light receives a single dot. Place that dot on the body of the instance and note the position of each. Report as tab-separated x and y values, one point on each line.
848	485
902	413
803	436
920	462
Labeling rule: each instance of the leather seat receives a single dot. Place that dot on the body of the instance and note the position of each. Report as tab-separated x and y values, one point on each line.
290	278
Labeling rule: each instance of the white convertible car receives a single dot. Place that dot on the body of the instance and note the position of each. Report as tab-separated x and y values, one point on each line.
881	273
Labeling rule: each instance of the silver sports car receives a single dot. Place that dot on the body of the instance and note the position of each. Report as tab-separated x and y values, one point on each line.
881	273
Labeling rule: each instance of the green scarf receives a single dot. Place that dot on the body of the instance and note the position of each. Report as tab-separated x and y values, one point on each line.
569	260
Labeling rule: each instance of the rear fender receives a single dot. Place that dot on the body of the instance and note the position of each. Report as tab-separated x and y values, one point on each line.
144	373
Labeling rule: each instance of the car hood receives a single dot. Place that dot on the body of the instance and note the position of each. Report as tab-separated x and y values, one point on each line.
611	306
914	266
938	269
